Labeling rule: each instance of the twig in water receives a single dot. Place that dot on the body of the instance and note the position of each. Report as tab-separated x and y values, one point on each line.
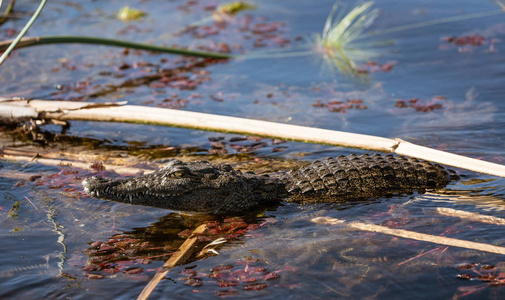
470	216
31	203
414	235
179	258
422	254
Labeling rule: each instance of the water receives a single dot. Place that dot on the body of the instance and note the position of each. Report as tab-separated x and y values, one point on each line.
47	224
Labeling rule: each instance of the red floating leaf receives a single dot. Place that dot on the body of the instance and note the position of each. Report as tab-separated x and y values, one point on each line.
257	270
227	293
238	275
355	101
90	268
95	276
255	286
247	260
271	275
193	282
221	268
227	283
112	270
188	272
96	244
133	271
251	227
401	104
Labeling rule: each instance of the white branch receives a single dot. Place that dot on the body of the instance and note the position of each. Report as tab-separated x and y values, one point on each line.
413	235
114	112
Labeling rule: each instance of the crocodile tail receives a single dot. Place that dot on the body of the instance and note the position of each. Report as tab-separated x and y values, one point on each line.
366	176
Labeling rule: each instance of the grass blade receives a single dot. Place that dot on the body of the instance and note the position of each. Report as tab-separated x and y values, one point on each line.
23	31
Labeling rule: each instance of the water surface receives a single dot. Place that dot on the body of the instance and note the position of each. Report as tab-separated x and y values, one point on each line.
48	225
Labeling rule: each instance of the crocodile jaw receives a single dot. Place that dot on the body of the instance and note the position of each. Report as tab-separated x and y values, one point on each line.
202	200
197	187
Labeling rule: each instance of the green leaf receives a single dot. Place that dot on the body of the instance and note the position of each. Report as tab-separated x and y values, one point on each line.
129	14
13	212
234	8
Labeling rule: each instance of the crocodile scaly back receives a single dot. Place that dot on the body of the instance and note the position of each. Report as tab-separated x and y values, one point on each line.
366	176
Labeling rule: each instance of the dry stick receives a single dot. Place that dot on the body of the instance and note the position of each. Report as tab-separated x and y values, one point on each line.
10	113
178	258
13	155
177	118
414	235
470	216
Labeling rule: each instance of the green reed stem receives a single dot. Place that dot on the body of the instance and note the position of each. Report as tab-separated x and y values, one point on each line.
23	32
44	40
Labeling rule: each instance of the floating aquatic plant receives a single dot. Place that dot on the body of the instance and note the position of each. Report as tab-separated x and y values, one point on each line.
129	14
340	31
225	12
232	8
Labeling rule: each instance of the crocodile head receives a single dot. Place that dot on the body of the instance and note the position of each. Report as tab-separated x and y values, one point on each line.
195	187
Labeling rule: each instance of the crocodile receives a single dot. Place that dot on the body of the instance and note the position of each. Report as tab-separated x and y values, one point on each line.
205	188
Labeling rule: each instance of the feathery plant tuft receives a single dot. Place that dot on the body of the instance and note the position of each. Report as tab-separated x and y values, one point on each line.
339	32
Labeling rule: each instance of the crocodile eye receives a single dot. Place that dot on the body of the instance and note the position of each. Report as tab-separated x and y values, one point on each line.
179	172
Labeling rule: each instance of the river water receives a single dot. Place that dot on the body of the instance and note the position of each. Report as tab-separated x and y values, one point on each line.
430	72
